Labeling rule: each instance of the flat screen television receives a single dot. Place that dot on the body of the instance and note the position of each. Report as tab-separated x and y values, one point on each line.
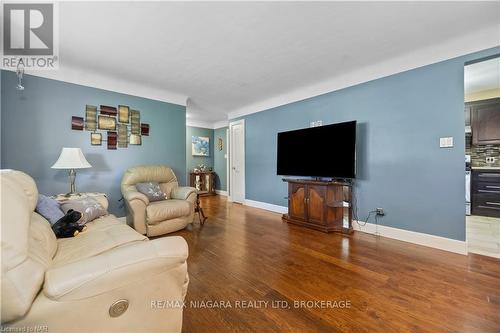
325	151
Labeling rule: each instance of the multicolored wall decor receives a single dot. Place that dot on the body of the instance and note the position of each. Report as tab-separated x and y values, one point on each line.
123	126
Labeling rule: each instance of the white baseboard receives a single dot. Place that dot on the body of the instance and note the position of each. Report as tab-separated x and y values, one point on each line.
437	242
266	206
220	192
419	238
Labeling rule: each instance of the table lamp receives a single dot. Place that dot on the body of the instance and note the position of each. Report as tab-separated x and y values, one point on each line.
71	159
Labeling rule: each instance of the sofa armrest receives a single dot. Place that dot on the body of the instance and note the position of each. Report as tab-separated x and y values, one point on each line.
183	192
102	200
115	268
135	195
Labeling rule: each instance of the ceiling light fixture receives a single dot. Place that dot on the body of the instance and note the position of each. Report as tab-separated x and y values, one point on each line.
20	73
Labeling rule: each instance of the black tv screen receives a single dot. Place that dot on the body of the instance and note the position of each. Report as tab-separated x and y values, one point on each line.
325	151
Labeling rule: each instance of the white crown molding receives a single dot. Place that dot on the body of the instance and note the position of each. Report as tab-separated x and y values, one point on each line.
101	81
220	124
463	45
442	243
466	44
207	124
199	123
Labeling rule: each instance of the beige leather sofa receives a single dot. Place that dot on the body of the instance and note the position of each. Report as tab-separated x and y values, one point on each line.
83	284
159	217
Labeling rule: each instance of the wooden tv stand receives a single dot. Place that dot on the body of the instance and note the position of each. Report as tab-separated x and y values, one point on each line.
320	205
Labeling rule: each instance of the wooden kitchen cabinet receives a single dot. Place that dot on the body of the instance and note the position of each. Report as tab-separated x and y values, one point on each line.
485	119
486	192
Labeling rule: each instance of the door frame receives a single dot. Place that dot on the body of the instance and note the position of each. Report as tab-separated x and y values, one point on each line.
231	146
228	149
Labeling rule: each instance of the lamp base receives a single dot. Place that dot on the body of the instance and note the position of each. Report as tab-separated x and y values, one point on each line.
72	178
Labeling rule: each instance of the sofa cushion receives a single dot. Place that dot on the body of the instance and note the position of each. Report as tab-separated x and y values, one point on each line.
148	173
167	209
102	234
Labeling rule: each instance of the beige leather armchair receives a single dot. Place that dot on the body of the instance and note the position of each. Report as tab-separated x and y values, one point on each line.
109	278
159	217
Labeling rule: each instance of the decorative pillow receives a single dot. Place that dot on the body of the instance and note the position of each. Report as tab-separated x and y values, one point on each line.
152	191
49	208
89	207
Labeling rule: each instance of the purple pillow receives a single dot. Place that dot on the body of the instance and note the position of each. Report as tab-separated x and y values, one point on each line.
152	191
90	208
49	208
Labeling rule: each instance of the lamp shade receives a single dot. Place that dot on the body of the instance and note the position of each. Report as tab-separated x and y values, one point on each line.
71	158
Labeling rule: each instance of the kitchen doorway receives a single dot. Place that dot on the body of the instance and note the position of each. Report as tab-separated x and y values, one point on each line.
482	156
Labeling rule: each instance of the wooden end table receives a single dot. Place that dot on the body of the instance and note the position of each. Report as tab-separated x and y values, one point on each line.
199	210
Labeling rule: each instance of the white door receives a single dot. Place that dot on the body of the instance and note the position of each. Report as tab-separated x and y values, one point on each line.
237	161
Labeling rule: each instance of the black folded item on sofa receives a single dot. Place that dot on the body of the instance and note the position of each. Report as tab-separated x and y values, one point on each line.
67	226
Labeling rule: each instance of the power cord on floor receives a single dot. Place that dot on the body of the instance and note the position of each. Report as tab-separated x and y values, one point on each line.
354	203
365	221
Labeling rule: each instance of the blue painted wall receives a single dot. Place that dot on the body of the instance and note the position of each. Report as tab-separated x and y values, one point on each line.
36	124
194	161
400	165
216	159
220	165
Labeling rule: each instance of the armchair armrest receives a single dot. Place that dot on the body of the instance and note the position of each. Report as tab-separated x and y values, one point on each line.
115	268
183	192
131	195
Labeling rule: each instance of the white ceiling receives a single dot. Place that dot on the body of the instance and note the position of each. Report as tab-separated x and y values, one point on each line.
241	57
481	76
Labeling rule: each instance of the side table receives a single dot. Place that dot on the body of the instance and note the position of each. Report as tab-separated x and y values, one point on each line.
199	210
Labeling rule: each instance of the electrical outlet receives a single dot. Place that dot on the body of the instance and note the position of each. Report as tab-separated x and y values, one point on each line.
380	211
490	160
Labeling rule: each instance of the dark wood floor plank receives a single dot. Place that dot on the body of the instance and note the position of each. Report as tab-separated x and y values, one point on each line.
248	254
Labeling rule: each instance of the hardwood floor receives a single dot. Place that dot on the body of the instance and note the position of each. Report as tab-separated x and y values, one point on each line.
248	254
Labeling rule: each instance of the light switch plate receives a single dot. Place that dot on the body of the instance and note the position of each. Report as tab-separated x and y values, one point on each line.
446	142
316	123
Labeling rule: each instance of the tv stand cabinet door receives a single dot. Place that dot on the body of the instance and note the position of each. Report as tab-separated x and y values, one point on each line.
316	204
297	201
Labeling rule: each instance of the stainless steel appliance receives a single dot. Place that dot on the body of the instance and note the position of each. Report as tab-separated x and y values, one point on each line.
467	184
